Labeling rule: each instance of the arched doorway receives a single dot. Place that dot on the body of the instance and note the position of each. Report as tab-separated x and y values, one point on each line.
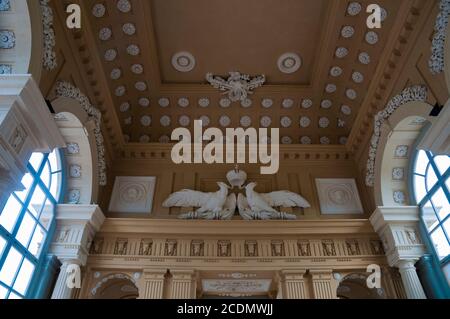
117	286
354	286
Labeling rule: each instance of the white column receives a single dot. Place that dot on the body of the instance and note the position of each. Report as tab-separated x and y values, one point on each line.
26	126
411	282
62	288
398	228
76	226
293	284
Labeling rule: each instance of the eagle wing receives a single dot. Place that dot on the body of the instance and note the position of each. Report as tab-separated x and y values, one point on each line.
187	198
217	82
285	199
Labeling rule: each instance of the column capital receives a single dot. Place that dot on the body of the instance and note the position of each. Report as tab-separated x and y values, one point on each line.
154	273
187	274
76	226
321	274
398	228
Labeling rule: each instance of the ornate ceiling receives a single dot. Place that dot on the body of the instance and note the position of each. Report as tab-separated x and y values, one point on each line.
317	56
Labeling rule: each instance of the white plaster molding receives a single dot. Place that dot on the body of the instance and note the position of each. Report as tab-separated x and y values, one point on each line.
76	226
238	86
338	196
65	89
410	94
398	228
436	63
49	57
133	194
437	138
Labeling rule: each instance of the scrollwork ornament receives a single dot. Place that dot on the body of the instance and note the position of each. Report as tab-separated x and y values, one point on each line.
410	94
436	62
65	89
49	56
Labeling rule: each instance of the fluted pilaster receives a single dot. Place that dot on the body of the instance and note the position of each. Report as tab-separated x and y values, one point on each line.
293	284
322	284
153	283
411	282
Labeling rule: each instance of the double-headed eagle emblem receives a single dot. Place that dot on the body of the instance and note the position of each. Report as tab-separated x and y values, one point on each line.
238	86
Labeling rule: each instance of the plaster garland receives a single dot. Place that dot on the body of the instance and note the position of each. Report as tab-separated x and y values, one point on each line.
65	89
410	94
49	57
436	62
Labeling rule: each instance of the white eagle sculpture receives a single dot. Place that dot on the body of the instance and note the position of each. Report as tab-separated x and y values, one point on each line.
238	86
260	205
221	206
217	205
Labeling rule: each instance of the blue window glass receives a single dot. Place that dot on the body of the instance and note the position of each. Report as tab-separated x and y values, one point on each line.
431	189
26	222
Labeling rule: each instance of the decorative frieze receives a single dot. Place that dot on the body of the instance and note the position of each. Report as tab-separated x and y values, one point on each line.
436	62
49	56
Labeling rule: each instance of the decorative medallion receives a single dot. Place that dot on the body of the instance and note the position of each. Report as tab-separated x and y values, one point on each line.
354	8
286	140
183	102
330	88
129	28
347	31
164	102
324	122
73	148
305	140
305	121
266	121
357	77
286	121
183	61
246	103
7	39
75	171
371	37
346	110
267	103
399	197
5	69
110	55
73	196
289	63
105	34
133	50
124	6
184	120
120	91
401	151
165	121
98	10
398	173
335	71
146	120
124	107
351	94
384	14
203	102
326	104
307	103
238	86
364	58
343	140
246	121
137	69
144	102
115	74
140	86
287	103
224	103
128	120
205	120
324	140
224	121
341	52
5	5
340	123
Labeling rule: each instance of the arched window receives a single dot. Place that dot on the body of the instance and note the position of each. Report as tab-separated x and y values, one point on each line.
27	224
431	184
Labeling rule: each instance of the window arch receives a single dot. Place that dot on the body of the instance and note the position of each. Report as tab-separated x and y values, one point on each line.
431	185
27	224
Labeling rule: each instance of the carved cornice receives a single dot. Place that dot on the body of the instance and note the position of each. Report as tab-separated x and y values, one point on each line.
237	227
406	29
295	153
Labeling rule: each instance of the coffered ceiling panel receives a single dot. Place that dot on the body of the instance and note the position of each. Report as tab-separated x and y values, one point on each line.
318	58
